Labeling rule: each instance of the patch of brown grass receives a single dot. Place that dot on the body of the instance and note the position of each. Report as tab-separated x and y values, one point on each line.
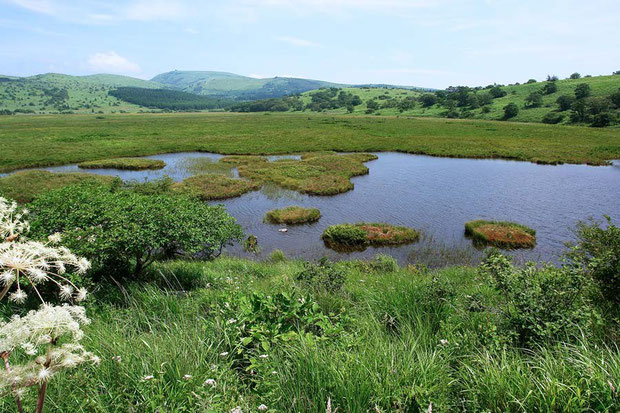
212	186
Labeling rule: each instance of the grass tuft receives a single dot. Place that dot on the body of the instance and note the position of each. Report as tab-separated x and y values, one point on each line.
501	234
212	186
131	164
359	236
292	215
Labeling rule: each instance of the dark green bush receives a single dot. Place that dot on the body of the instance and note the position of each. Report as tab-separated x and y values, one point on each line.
540	304
346	234
553	118
510	111
324	276
118	229
384	263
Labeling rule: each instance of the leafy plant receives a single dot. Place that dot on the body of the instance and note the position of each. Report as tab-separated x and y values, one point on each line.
325	275
118	228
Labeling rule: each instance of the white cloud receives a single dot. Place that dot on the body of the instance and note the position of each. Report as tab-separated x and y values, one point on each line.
111	62
296	41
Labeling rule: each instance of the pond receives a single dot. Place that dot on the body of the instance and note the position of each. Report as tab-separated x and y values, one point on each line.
432	194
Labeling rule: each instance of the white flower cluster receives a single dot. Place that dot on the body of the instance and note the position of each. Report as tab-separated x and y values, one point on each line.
12	223
34	261
38	263
37	335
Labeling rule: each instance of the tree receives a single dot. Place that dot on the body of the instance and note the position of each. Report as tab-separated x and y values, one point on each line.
601	120
550	88
575	76
428	100
117	228
534	100
531	81
582	91
553	118
565	102
551	78
510	111
497	92
615	98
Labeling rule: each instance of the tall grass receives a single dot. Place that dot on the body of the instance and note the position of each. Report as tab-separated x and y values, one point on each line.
410	338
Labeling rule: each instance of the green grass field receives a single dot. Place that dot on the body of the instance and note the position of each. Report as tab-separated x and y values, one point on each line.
389	340
30	141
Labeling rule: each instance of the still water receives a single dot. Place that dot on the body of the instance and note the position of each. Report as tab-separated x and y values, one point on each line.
434	195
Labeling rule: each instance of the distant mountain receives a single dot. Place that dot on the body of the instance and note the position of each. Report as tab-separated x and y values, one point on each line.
236	86
53	92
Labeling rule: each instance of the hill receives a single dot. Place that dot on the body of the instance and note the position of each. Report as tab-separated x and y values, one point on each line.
554	101
53	92
236	86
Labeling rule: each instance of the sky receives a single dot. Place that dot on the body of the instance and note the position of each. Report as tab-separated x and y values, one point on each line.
429	43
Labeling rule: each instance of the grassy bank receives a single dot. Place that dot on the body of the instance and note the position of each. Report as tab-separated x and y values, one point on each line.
29	141
385	340
131	164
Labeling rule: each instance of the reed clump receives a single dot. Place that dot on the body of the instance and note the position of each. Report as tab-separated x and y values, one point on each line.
361	235
213	187
130	164
293	215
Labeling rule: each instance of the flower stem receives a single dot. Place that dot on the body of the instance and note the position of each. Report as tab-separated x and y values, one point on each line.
18	401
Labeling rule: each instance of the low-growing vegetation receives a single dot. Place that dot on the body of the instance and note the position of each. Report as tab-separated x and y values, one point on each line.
131	164
500	234
293	215
24	186
344	237
213	186
322	174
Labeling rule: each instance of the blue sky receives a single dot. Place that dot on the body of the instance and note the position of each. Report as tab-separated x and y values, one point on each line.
433	43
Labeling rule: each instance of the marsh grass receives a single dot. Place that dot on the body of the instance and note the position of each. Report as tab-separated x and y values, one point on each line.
212	186
358	236
322	174
501	234
198	166
24	186
131	164
412	339
292	215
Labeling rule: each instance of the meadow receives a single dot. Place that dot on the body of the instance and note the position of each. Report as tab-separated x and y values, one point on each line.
31	141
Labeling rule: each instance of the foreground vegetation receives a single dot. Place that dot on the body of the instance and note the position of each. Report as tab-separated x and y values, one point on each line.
221	334
26	141
500	234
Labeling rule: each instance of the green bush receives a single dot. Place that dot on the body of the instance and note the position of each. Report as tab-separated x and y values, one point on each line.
597	252
384	263
553	118
540	303
277	256
324	276
510	111
346	234
118	229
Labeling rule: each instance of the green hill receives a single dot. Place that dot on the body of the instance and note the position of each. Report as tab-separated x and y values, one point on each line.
52	92
236	86
535	101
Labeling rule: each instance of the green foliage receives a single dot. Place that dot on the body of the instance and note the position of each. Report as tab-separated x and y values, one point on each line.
346	235
167	99
510	111
553	118
534	100
550	88
575	76
597	252
277	256
132	164
384	263
118	228
358	236
541	303
582	90
325	275
565	102
292	215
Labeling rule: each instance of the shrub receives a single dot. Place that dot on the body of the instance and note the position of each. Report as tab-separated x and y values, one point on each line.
510	111
575	76
384	263
601	120
582	91
565	102
324	276
540	303
534	100
117	228
550	88
497	92
346	235
597	252
553	118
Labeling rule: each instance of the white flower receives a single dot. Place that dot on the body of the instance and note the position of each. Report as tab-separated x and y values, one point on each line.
443	342
55	238
263	356
209	382
81	294
44	374
187	376
118	359
148	378
224	354
7	277
66	291
262	408
19	296
236	410
232	321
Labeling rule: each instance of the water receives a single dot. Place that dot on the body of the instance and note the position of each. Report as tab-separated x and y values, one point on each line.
434	195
